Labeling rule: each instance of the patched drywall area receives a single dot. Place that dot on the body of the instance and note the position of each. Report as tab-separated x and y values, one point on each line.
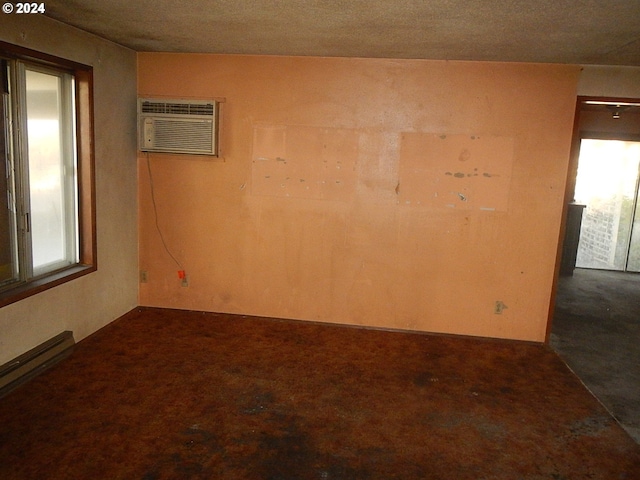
455	171
304	162
408	194
86	304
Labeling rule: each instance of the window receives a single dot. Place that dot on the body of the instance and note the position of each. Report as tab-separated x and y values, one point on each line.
46	199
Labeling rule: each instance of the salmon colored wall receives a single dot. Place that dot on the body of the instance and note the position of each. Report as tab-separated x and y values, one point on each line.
401	194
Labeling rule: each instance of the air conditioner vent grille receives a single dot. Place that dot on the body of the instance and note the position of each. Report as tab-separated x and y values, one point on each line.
173	135
177	108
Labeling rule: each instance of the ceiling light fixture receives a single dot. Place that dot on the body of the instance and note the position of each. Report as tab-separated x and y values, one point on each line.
617	109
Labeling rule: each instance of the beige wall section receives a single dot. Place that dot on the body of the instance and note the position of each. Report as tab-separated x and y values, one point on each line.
86	304
435	190
610	81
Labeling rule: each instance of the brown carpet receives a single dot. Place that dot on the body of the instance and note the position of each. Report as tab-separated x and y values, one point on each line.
165	394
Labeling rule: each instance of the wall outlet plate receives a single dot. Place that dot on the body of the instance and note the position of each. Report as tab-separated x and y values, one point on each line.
499	307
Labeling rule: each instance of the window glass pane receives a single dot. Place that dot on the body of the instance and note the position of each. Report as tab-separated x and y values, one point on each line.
49	211
606	184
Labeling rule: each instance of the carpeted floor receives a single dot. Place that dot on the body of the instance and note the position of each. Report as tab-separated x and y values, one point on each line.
596	331
165	394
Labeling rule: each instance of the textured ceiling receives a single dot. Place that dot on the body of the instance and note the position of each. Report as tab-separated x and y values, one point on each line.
604	32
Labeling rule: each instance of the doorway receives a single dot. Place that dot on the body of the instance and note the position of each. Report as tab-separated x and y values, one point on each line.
607	184
594	323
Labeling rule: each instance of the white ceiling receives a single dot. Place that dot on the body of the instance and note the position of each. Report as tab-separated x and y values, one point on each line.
602	32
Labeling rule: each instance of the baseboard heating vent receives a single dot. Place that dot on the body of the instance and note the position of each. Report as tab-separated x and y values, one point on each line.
23	368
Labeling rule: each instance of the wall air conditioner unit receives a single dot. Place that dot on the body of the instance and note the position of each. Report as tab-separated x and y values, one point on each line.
178	126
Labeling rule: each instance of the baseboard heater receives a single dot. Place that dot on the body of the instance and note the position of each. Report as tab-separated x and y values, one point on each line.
23	368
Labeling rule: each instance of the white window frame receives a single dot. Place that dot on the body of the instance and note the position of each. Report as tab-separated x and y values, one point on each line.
21	165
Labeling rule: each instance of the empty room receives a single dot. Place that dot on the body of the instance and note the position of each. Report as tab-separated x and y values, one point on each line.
317	240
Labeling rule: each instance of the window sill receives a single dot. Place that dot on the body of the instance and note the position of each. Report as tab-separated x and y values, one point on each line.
45	282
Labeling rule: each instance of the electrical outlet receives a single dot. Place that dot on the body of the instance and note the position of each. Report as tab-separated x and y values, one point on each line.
144	276
499	307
